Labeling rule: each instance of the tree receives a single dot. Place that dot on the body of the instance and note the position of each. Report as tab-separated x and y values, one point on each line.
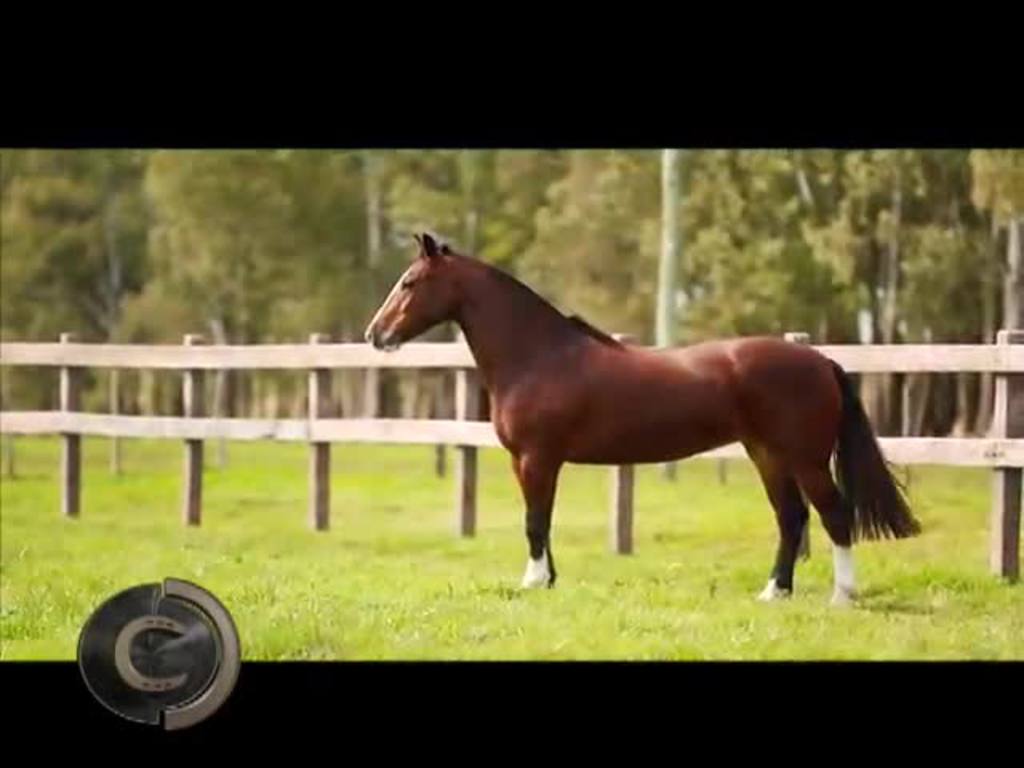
73	239
597	239
999	189
72	235
757	261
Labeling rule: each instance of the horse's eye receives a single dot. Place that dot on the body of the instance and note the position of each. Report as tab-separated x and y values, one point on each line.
408	283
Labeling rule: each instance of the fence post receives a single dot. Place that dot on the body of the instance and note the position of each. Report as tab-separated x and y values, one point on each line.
115	408
620	529
1008	422
467	405
193	406
804	550
320	452
71	456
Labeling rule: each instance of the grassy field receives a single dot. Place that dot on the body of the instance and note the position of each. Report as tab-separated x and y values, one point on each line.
391	581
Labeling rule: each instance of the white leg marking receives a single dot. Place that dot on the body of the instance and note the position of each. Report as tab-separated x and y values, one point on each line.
842	566
538	574
772	592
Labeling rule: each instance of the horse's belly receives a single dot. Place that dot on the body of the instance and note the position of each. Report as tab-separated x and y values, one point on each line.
637	436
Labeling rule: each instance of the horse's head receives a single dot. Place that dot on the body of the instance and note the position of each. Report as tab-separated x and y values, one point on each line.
424	296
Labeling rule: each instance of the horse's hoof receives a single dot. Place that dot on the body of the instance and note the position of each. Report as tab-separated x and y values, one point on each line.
537	575
842	598
772	592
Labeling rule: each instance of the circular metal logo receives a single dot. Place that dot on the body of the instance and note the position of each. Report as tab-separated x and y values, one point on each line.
161	654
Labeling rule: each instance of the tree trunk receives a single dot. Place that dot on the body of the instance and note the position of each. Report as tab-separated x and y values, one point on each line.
868	325
890	300
245	388
989	291
273	396
112	293
668	265
919	397
169	395
1013	287
350	391
665	325
408	389
371	176
298	407
963	405
469	177
256	395
374	230
147	392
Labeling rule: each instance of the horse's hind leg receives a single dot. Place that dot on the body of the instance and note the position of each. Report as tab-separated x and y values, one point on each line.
836	516
790	514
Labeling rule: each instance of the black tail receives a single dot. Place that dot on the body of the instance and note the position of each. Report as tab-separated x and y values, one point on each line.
875	498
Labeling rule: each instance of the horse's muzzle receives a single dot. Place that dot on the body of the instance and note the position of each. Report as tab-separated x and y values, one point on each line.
383	341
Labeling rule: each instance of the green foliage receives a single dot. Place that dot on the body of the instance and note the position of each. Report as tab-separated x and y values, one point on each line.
72	238
521	181
220	241
595	252
751	265
262	245
998	181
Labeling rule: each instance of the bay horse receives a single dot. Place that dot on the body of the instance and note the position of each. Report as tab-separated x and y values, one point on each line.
562	391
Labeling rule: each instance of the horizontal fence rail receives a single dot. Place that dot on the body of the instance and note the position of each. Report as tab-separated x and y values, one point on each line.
227	357
868	358
964	452
1002	450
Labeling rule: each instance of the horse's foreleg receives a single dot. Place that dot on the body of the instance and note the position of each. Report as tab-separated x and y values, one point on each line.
537	479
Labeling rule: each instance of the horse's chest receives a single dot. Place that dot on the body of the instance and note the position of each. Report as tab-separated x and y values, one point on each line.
528	417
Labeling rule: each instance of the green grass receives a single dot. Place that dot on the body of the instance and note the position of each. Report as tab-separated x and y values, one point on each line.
390	580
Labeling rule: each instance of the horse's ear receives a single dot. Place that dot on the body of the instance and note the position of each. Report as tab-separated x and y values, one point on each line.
430	249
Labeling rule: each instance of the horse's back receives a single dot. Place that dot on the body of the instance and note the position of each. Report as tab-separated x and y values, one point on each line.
601	403
762	390
649	404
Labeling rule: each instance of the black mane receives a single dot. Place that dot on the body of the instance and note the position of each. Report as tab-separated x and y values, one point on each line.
590	330
575	321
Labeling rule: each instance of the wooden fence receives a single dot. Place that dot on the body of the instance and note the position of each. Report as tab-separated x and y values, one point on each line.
1002	450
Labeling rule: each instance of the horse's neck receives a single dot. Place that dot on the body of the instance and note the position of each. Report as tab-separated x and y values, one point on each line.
507	326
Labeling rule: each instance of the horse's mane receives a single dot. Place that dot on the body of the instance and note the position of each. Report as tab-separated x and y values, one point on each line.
593	332
575	321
